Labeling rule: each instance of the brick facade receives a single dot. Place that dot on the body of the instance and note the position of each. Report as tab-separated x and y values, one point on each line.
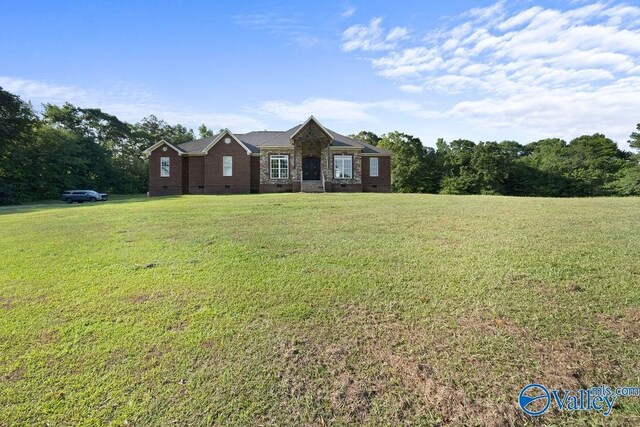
202	172
381	183
214	180
196	174
255	174
165	186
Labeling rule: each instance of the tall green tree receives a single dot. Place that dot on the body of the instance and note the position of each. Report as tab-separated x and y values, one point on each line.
106	130
17	120
155	130
627	181
455	160
366	137
634	138
413	169
204	132
591	162
491	167
541	170
64	160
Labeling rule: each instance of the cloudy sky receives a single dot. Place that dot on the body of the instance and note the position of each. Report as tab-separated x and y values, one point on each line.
518	70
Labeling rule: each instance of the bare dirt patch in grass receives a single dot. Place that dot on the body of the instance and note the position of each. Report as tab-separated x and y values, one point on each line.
144	297
561	363
139	299
370	360
154	354
7	303
48	337
626	326
15	375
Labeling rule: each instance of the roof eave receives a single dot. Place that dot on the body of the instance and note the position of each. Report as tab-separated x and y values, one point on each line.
160	143
329	134
206	149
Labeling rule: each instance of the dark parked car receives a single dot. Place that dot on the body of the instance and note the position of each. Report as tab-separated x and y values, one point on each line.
80	196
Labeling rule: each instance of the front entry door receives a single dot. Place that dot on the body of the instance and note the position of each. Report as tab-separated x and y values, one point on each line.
311	168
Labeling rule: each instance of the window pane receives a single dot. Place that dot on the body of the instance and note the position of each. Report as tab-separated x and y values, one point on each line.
227	166
279	166
164	166
373	166
343	166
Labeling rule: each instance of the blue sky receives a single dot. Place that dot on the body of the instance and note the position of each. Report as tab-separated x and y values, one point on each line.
488	70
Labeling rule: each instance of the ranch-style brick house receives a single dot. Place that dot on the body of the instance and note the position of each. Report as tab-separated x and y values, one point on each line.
307	157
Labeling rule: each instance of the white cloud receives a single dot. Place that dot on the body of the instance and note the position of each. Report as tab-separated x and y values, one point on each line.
342	110
530	70
540	112
288	27
397	33
29	89
127	102
372	37
333	109
348	12
521	18
411	88
492	13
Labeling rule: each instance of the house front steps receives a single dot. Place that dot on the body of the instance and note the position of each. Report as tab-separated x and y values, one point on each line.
312	186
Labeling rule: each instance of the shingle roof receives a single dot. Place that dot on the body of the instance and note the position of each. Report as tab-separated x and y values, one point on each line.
256	139
197	145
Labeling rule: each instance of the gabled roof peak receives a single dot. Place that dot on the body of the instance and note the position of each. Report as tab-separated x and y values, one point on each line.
254	141
160	143
215	140
310	119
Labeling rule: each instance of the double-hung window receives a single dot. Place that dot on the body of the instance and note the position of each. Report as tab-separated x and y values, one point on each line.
373	166
227	166
165	166
279	166
343	166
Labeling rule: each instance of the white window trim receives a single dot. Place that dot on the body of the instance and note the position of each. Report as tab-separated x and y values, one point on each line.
279	157
342	159
168	162
372	161
224	169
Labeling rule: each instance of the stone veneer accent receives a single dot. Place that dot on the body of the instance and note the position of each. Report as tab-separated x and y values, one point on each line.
299	151
356	165
265	166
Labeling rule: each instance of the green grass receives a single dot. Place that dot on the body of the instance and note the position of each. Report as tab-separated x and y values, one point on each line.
315	309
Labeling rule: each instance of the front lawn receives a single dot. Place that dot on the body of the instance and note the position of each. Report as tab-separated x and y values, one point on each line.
321	309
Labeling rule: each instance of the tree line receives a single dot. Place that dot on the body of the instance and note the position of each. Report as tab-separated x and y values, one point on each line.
590	165
67	147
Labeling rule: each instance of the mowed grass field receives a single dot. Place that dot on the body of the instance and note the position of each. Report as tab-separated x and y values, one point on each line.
330	309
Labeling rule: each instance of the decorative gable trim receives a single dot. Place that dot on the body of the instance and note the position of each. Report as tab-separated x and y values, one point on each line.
219	138
311	118
159	144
